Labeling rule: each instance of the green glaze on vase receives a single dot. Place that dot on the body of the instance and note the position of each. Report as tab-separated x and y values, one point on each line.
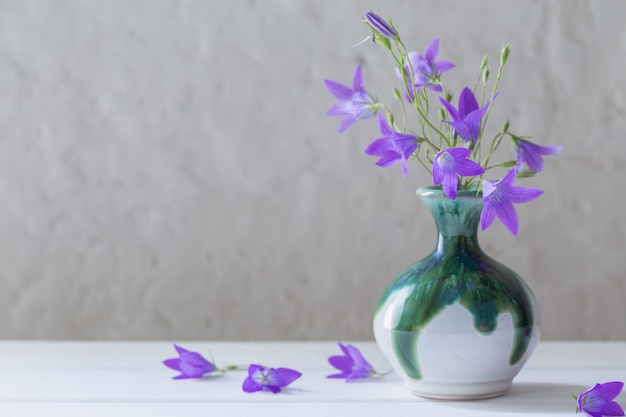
456	273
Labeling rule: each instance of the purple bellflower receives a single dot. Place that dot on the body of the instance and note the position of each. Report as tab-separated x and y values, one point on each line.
273	379
380	26
189	364
354	103
467	118
426	69
352	364
598	400
392	146
449	164
499	198
531	155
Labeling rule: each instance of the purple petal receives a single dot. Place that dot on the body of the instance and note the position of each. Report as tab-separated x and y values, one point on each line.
357	80
405	169
388	158
468	168
533	160
487	216
458	153
193	364
508	179
340	91
358	374
346	123
450	185
180	350
508	216
453	112
249	385
253	369
472	122
173	363
343	363
337	109
341	375
356	356
467	102
432	50
183	376
286	376
437	173
522	194
443	66
532	154
488	188
550	150
379	147
610	390
435	87
461	129
611	408
383	125
274	388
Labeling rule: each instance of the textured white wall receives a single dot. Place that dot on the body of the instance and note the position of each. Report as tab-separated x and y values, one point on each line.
167	171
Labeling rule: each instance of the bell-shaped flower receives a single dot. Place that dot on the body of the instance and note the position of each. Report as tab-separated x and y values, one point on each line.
354	103
352	364
392	146
189	364
449	164
531	155
425	68
467	117
598	400
499	198
273	379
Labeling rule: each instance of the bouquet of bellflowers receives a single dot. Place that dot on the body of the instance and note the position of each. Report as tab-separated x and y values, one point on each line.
449	145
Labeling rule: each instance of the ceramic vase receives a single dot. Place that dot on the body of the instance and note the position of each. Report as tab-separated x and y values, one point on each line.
457	324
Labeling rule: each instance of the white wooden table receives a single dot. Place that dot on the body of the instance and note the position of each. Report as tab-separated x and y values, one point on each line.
128	379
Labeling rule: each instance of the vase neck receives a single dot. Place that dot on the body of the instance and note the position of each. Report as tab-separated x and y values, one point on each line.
457	218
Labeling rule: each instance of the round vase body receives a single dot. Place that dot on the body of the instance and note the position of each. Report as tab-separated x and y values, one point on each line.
457	324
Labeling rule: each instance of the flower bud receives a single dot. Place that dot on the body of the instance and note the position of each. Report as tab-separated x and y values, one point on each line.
396	94
505	128
485	74
379	26
484	62
504	54
508	164
525	173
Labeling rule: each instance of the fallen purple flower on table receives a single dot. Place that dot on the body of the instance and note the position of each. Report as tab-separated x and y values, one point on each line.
189	364
499	198
392	146
449	164
354	103
273	379
352	364
531	154
598	400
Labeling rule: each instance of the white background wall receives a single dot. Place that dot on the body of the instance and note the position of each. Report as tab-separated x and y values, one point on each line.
167	170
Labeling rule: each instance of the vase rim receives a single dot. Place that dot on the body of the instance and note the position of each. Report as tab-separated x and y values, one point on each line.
434	191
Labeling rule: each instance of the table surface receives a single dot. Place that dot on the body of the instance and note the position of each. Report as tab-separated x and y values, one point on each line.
42	378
